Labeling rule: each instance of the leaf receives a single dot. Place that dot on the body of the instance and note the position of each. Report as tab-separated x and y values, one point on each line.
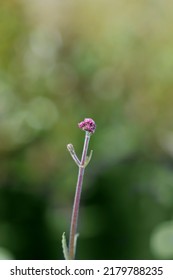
88	158
75	242
64	247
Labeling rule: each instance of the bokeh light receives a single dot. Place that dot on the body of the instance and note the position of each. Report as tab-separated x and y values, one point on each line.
61	62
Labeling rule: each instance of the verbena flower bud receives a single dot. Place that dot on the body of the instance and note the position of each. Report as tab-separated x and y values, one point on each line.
70	148
88	125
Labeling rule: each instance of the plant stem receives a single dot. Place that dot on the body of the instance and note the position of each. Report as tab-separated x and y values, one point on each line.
74	218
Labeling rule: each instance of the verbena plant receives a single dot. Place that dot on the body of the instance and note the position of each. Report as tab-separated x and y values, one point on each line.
89	126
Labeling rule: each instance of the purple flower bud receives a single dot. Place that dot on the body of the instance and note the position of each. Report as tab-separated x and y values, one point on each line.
88	125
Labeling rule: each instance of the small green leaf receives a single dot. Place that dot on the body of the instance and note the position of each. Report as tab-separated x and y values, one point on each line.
64	247
88	158
75	242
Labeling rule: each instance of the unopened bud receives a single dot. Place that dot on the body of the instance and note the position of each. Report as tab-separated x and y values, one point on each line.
70	148
88	125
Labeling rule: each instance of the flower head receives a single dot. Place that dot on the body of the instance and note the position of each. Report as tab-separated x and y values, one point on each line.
88	125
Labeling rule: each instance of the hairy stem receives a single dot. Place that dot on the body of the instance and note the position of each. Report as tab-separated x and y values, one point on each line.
74	218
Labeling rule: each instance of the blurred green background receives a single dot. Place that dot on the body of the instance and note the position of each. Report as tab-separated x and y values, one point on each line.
62	61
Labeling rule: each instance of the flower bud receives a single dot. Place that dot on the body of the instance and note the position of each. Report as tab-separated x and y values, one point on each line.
88	125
